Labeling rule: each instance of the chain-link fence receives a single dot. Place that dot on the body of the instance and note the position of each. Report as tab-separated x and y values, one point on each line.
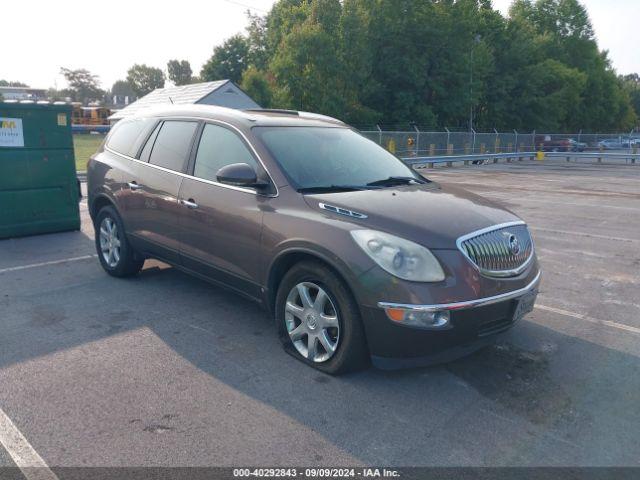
417	142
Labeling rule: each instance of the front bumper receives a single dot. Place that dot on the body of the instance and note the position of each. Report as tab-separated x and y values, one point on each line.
473	324
468	304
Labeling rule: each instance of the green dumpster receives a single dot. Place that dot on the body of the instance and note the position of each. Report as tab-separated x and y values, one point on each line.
38	186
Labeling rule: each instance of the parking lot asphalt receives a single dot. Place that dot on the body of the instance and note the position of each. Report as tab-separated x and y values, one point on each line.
5	459
164	369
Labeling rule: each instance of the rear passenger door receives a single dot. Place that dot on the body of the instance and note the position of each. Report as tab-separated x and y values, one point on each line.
116	163
153	207
221	225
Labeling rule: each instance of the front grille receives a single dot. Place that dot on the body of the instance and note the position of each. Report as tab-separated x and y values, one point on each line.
502	251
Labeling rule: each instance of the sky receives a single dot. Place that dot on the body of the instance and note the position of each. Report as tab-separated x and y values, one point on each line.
109	39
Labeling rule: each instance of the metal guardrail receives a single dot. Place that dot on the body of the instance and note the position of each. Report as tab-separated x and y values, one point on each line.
599	155
418	141
449	159
430	161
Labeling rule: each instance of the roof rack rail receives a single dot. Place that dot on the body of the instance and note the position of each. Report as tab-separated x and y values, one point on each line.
273	110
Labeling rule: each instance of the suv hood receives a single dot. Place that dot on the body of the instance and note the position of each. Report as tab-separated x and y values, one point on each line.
431	214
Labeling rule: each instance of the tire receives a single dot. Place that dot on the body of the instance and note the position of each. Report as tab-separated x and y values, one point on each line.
350	352
127	262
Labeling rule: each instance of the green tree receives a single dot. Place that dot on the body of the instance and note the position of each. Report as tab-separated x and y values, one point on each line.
439	63
180	72
305	66
408	58
320	62
631	84
563	32
550	93
63	95
256	84
258	55
284	16
228	61
512	48
355	56
123	88
606	106
144	79
83	85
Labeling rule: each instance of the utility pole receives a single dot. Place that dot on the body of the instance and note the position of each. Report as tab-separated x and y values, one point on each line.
476	40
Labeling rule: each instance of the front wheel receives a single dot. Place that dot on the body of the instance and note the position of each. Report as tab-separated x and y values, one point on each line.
116	255
319	320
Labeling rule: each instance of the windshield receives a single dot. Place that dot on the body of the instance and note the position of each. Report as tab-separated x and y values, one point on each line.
319	157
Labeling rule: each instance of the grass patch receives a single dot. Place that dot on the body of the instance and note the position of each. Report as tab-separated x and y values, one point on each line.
85	145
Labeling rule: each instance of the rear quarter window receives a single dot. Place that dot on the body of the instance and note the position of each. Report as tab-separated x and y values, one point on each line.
172	144
127	135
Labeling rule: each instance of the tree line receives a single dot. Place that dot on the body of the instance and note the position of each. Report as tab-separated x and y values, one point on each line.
450	63
141	79
454	63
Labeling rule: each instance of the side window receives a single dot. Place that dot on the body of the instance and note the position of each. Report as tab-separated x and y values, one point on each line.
146	151
218	147
127	135
171	148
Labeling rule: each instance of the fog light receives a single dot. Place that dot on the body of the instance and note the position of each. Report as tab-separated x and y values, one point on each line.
423	319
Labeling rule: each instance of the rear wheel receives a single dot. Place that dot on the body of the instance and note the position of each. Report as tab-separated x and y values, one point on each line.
114	251
319	321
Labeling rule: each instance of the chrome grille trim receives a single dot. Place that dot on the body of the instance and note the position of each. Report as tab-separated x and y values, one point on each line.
490	252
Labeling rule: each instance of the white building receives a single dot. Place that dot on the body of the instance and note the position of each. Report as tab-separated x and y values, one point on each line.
23	93
223	93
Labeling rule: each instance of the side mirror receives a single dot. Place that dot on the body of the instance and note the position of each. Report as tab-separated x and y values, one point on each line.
238	174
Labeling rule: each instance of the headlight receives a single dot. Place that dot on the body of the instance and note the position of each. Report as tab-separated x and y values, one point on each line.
399	257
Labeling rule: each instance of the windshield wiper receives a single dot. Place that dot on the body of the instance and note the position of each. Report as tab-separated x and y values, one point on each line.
394	181
333	188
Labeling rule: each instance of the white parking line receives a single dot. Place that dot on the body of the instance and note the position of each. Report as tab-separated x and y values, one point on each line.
529	199
46	264
25	457
585	234
587	318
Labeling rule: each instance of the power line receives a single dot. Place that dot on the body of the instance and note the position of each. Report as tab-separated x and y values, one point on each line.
240	4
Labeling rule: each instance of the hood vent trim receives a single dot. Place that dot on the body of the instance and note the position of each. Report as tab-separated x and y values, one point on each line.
342	211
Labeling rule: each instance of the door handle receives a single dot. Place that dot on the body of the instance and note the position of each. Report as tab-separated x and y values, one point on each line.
189	203
134	186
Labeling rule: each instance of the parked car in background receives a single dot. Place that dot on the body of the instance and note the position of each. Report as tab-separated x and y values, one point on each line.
356	256
615	143
576	146
549	144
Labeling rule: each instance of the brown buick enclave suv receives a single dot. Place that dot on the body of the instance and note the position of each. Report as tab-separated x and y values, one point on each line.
355	255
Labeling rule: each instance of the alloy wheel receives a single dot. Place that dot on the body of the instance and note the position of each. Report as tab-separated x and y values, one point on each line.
110	242
312	322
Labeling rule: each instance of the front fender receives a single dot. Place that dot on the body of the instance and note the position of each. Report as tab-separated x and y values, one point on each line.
292	250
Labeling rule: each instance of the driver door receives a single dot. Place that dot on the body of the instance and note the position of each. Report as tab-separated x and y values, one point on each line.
221	225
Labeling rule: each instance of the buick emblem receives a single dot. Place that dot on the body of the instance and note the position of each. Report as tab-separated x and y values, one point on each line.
514	244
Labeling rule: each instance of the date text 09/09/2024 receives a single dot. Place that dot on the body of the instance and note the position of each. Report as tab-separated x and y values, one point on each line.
316	472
